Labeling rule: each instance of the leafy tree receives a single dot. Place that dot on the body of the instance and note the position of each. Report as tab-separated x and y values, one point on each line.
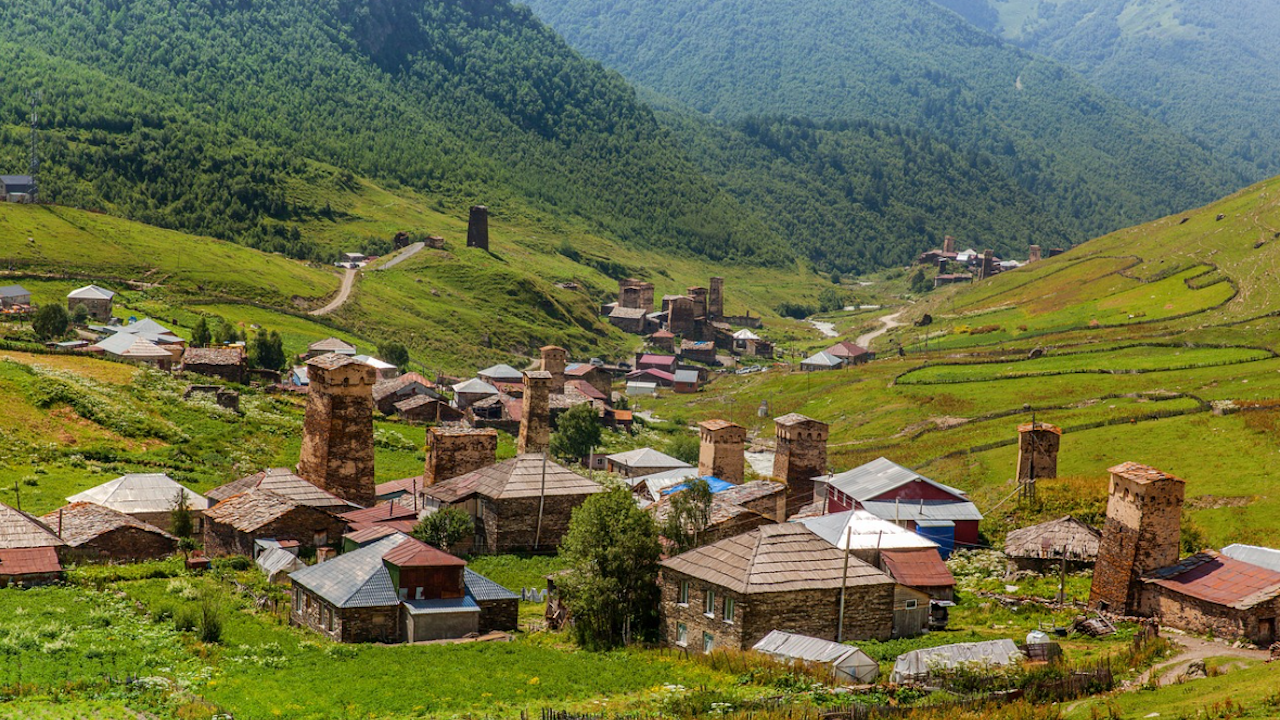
688	516
612	549
200	335
684	447
835	277
394	353
180	519
80	315
267	350
444	528
920	282
831	300
225	332
577	432
50	322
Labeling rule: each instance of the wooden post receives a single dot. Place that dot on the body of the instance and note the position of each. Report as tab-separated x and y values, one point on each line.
542	498
1062	579
844	579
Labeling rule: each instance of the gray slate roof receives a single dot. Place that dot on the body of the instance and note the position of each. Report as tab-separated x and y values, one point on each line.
881	476
13	291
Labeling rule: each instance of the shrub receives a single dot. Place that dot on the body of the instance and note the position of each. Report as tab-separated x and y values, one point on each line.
185	618
210	621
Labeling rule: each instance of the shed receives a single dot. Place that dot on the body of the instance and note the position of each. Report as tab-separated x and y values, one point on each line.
685	381
1042	547
20	530
94	533
387	393
276	563
640	389
917	666
150	497
847	663
11	295
17	188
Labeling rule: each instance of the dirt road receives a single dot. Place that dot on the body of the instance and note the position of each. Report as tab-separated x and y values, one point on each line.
1196	649
890	322
348	280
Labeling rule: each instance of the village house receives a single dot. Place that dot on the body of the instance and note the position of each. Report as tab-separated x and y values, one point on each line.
642	461
735	509
685	381
145	341
387	393
470	392
732	593
518	505
701	351
94	533
28	550
746	342
397	589
651	488
850	354
149	497
1042	548
663	340
501	374
399	515
228	363
17	188
629	320
426	409
1138	571
649	361
821	361
282	481
14	297
328	345
232	526
95	300
902	496
1264	557
596	377
659	378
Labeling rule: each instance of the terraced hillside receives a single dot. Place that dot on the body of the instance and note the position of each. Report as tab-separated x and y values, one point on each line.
1155	344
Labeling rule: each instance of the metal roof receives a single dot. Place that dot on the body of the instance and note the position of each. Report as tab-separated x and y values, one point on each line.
686	376
1263	557
442	606
483	589
29	561
475	386
654	359
354	579
921	568
880	476
790	646
922	512
823	359
502	372
646	458
1219	579
861	530
13	291
333	345
91	292
917	664
273	561
655	483
141	493
745	334
775	558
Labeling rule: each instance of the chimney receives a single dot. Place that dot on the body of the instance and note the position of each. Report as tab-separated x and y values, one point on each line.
457	451
554	359
535	426
478	228
1038	451
800	456
337	435
722	452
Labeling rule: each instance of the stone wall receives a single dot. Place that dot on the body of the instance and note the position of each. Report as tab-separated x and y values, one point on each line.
721	453
125	544
801	455
511	525
337	443
457	451
500	615
350	625
1142	533
1199	616
99	310
535	425
301	524
725	635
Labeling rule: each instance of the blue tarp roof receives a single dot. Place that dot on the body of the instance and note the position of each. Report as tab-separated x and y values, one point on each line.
717	485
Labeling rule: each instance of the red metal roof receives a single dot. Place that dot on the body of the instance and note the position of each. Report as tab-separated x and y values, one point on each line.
381	513
29	561
844	348
587	389
918	568
369	533
1219	579
404	526
660	360
415	553
405	485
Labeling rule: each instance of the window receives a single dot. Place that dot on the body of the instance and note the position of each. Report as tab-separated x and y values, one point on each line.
684	592
729	608
707	642
911	604
682	634
297	600
709	607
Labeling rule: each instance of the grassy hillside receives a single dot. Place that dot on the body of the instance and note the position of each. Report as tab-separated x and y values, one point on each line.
1096	163
1207	71
1160	346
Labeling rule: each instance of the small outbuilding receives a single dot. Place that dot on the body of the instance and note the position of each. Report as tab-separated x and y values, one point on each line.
920	666
848	664
228	363
1042	548
277	563
94	533
403	387
232	526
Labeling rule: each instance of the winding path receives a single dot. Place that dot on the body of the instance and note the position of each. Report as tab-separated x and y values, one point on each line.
1193	648
890	322
348	279
403	255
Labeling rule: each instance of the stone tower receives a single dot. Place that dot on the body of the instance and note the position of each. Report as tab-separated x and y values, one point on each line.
457	451
554	360
478	228
337	438
722	452
1038	451
801	455
715	299
987	267
948	244
699	295
535	425
1033	254
682	316
1142	533
633	293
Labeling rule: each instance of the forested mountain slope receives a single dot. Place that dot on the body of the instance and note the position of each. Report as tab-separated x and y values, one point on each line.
198	115
1094	161
1206	69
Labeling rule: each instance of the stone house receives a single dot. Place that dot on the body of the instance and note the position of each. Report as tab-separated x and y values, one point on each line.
733	511
1212	593
329	345
409	385
19	530
396	589
228	363
629	320
232	526
470	392
732	593
95	300
425	409
94	533
597	378
1041	548
698	351
518	505
282	481
14	296
642	461
149	497
29	567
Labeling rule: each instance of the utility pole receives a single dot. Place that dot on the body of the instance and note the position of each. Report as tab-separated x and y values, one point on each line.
844	580
34	97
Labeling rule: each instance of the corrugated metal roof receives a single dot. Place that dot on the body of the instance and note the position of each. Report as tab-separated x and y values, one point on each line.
29	561
475	386
502	372
277	560
355	579
823	359
686	376
922	511
881	476
646	458
483	589
1219	579
1263	557
141	493
91	292
442	606
775	558
921	568
861	530
415	553
917	664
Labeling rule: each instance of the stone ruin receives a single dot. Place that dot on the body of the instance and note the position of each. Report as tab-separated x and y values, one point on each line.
454	451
